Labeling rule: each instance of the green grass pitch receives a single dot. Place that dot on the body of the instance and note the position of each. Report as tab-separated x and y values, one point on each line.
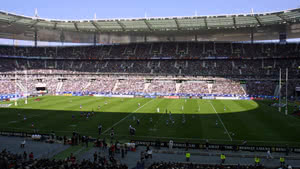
254	121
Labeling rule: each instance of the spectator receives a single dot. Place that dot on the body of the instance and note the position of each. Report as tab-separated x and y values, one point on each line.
187	156
23	144
223	157
31	156
149	153
25	156
170	144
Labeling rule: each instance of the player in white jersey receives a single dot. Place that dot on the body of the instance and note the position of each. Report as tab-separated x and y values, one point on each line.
157	110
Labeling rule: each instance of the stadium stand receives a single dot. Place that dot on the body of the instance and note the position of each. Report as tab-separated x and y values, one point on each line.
168	49
149	65
77	72
163	165
11	160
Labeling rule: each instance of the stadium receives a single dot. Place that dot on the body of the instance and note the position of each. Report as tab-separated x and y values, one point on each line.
200	85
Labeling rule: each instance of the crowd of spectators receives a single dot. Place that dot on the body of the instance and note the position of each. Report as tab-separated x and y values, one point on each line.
163	87
51	85
168	49
165	67
7	86
228	87
24	161
105	85
74	73
178	165
130	84
74	85
256	68
261	87
194	87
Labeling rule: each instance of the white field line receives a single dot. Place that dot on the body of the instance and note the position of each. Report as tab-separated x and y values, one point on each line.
186	138
221	121
179	138
126	116
22	119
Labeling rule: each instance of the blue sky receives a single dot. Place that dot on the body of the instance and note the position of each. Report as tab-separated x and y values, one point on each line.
85	9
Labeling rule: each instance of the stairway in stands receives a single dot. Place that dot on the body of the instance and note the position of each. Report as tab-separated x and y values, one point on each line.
244	88
115	87
87	85
146	87
59	86
210	86
23	89
178	85
17	64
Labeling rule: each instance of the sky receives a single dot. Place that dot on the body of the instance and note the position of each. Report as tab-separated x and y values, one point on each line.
85	9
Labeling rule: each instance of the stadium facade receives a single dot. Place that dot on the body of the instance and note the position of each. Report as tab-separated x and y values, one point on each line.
237	27
182	58
160	56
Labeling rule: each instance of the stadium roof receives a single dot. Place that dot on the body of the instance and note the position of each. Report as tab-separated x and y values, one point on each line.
154	24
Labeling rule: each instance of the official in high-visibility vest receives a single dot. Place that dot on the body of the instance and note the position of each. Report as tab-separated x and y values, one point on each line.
282	160
222	158
257	161
187	156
